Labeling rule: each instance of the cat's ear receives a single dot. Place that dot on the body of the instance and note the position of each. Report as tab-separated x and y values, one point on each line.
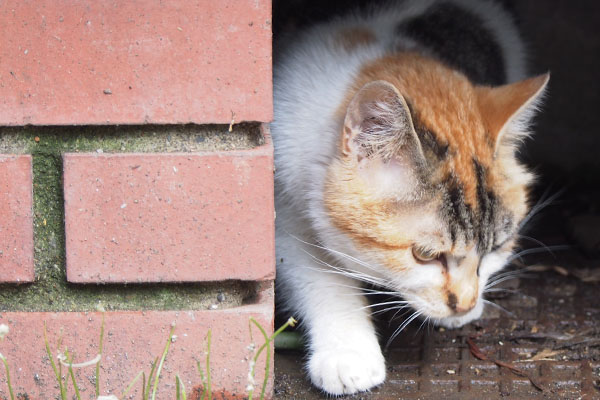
378	124
507	110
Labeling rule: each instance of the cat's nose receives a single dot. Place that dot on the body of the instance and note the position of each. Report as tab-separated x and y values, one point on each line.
463	309
461	304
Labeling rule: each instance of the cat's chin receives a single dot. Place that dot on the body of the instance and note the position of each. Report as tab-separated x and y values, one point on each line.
458	321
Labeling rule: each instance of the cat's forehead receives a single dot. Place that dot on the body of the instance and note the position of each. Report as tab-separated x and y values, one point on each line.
445	115
474	197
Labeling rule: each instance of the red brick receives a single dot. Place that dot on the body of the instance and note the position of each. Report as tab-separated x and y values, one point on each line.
131	342
16	220
101	62
169	217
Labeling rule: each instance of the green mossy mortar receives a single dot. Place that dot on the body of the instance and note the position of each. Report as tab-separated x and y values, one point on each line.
129	139
51	291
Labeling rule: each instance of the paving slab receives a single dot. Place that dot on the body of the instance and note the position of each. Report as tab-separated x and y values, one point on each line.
16	219
177	217
101	62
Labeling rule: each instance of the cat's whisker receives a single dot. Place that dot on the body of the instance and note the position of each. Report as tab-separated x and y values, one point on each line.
393	318
326	264
398	307
359	277
491	303
366	291
500	279
495	290
360	293
524	272
402	326
384	293
509	273
432	323
512	274
423	323
532	239
539	206
390	309
403	302
354	259
336	252
351	274
536	250
515	271
496	282
415	315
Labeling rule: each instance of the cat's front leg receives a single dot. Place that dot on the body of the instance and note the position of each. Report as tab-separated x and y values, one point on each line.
345	356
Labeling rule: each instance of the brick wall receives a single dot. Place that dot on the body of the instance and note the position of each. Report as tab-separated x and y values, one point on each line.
136	176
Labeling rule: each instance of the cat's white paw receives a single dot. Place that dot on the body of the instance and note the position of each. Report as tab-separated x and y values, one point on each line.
343	371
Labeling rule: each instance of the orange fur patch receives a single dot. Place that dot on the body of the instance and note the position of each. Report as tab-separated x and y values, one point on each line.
446	104
499	104
355	210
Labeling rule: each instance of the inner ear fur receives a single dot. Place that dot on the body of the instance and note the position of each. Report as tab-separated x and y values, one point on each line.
378	123
509	108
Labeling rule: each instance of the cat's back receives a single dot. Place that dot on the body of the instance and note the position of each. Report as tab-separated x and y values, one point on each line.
315	68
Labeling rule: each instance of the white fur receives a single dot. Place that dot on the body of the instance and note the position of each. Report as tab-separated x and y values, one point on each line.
311	77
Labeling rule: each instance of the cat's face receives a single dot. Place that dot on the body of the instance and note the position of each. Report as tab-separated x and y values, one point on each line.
427	188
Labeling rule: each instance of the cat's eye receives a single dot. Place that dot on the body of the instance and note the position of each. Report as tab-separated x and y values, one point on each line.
423	254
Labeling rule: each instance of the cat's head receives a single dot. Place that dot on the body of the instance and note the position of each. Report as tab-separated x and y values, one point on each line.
427	186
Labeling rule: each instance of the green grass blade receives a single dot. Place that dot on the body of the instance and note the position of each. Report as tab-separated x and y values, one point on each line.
63	389
181	395
10	389
290	322
141	373
203	380
144	397
100	345
160	365
72	374
57	371
208	384
149	382
201	372
266	345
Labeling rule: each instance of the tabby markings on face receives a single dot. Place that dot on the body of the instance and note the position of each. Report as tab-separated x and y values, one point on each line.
427	159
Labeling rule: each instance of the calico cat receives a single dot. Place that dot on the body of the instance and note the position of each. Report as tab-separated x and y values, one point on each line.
396	132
